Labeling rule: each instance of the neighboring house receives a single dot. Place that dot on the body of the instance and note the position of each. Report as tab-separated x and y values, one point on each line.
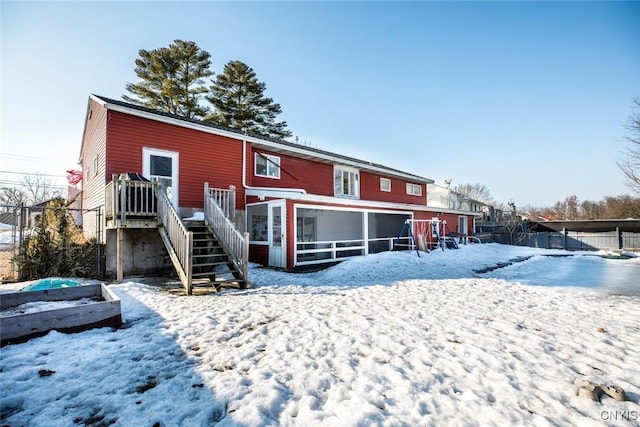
299	205
454	202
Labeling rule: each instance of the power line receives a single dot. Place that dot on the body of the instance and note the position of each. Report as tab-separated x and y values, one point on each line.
18	183
19	156
34	173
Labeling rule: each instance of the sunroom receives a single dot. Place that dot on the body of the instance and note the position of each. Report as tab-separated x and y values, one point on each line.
325	234
321	234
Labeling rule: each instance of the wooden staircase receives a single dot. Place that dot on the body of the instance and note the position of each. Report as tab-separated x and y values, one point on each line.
211	263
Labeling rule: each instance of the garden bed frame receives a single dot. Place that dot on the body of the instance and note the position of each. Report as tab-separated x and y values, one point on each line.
20	327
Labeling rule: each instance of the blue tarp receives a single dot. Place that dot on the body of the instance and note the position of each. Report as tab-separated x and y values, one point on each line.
50	283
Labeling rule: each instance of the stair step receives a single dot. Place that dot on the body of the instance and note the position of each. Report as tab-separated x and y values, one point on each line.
210	264
203	257
206	241
210	273
219	284
205	252
211	255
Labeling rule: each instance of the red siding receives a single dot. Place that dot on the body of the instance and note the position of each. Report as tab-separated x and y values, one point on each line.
314	177
317	178
370	190
203	157
259	254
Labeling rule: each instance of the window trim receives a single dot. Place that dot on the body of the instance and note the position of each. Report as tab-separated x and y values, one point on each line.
349	170
271	160
412	185
386	180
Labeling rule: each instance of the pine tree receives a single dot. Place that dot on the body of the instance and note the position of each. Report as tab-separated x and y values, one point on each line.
239	103
172	79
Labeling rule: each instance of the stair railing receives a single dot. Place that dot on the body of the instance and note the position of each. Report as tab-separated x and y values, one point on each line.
181	239
234	243
225	199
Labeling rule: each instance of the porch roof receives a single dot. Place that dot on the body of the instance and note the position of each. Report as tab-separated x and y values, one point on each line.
276	145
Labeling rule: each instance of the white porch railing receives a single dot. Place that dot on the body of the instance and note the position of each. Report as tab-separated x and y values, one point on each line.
319	252
127	198
180	238
234	243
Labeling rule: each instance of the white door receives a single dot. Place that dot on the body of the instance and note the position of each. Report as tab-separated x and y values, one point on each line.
462	224
277	235
162	166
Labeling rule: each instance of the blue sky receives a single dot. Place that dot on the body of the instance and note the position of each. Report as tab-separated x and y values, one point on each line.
527	98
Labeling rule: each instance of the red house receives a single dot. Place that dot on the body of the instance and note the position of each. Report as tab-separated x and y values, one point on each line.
287	205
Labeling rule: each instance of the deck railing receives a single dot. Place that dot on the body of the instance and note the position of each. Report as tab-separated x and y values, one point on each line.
234	243
181	239
127	198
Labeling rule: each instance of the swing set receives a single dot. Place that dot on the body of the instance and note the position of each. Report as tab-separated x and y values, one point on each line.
425	235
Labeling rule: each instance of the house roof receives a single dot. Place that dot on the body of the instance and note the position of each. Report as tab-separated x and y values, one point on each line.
276	145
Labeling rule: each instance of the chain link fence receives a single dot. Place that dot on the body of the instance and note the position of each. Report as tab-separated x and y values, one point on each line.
18	223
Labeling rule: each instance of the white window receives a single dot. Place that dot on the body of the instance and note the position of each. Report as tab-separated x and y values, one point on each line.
346	182
385	184
414	189
267	166
95	165
258	224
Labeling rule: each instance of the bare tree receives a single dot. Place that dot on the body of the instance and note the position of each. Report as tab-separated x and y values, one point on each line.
12	196
455	200
31	189
38	188
477	191
592	210
622	207
630	165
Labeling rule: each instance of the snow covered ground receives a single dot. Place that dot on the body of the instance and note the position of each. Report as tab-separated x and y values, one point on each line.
390	339
6	237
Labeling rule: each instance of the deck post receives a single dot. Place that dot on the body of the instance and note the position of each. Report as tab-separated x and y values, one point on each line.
232	204
189	264
120	255
123	201
114	198
245	259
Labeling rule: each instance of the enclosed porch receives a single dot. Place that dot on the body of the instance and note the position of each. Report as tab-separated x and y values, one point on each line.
319	234
328	235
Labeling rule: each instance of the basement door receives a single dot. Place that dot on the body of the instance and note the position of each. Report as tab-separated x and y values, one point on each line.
277	234
162	166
